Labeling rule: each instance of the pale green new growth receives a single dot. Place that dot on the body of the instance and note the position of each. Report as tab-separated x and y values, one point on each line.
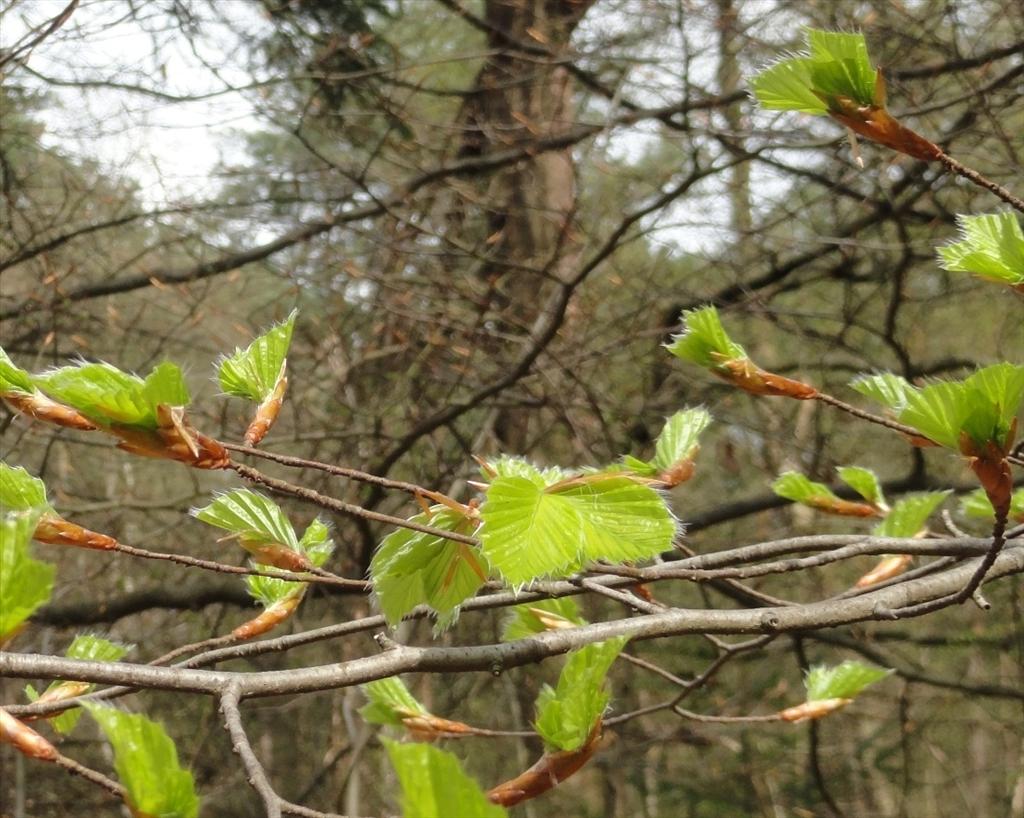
909	514
567	713
106	395
703	340
800	489
87	647
390	702
837	65
864	482
146	761
992	248
250	515
530	532
315	544
679	437
253	372
843	681
25	583
411	568
20	491
524	620
981	406
13	378
977	504
890	390
507	466
435	786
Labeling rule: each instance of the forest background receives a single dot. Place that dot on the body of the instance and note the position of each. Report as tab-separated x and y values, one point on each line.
422	179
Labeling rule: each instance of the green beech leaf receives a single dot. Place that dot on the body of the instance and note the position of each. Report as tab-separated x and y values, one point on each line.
87	647
517	467
434	784
703	340
532	618
13	378
864	482
679	438
938	411
146	761
410	568
25	583
253	372
909	514
977	504
568	712
991	247
250	515
994	395
786	86
390	702
800	489
20	491
529	531
106	395
891	391
843	681
642	468
982	406
838	65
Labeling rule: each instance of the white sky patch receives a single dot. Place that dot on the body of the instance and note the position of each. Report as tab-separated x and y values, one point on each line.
171	149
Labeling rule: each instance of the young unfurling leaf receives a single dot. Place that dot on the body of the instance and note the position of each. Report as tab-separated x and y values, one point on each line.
147	763
411	568
532	618
21	394
260	525
865	483
569	721
907	518
675	449
991	247
147	415
704	342
25	583
531	530
909	514
392	703
977	504
258	373
20	491
831	688
281	597
434	784
87	647
836	78
798	488
567	713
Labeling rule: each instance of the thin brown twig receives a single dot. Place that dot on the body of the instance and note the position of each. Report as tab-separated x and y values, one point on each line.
953	166
343	471
341	507
91	775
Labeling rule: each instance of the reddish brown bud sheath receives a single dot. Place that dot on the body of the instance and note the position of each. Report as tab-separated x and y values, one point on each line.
548	772
266	414
24	738
39	406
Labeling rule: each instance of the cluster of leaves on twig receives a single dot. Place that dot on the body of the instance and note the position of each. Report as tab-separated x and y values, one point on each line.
528	523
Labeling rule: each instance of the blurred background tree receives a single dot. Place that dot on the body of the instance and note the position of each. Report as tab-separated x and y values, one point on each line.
490	215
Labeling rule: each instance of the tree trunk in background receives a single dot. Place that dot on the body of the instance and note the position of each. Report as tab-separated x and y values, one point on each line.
521	96
729	44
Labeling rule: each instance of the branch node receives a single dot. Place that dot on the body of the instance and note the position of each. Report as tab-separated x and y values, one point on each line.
770	623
